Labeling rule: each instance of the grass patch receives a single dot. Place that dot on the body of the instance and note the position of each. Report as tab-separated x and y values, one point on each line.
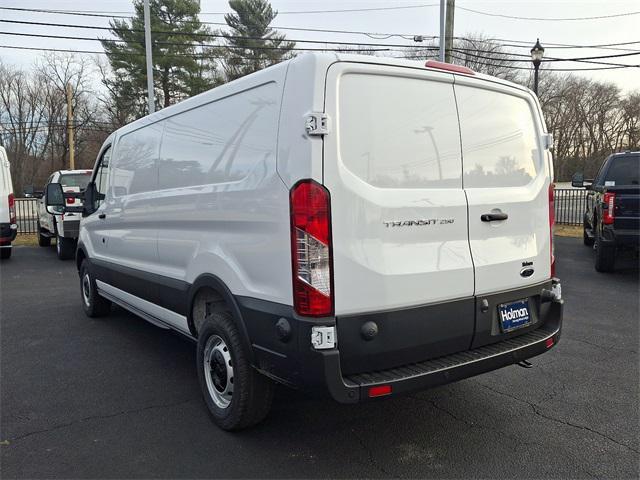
568	231
25	240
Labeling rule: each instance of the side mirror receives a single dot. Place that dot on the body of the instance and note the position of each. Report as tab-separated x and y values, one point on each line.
89	199
577	180
54	199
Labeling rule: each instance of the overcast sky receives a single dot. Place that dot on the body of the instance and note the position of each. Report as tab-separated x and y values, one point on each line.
408	21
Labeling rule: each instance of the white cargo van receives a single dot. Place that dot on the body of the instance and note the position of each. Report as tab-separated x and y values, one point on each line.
8	225
355	225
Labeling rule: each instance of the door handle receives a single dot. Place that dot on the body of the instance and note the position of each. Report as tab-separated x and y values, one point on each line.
102	216
493	217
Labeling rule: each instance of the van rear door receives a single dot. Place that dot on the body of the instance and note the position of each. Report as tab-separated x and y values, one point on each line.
507	181
393	168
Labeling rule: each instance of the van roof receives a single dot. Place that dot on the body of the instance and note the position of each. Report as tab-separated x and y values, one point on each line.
320	61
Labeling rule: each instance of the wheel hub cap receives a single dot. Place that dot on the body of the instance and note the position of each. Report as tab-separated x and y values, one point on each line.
218	371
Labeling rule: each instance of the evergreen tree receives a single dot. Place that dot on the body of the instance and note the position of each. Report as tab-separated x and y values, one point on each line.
179	69
252	44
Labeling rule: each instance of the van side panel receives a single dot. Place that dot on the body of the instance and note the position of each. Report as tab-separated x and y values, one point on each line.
221	208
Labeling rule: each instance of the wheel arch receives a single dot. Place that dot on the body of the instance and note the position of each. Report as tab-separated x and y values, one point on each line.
209	281
81	254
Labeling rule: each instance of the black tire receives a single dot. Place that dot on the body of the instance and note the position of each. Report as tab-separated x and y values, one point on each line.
605	255
5	253
65	248
93	304
251	392
43	240
586	239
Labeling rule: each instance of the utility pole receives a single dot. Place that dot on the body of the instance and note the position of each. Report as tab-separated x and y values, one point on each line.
448	42
442	31
147	46
72	159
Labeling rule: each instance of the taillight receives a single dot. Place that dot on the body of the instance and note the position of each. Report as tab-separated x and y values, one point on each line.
12	209
608	204
552	221
311	249
70	200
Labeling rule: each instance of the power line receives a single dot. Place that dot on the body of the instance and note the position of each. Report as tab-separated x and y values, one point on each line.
117	40
364	46
415	57
374	35
546	19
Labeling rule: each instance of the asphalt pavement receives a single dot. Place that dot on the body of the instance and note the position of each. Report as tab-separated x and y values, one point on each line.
119	398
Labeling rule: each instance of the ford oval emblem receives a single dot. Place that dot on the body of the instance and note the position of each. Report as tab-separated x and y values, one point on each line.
526	272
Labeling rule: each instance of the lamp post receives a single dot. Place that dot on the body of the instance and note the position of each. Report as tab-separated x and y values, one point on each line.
537	52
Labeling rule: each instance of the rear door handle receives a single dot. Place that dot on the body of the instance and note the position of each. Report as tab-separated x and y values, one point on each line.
493	217
102	216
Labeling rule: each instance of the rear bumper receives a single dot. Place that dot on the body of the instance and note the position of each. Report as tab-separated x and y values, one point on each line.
282	350
620	237
70	228
8	232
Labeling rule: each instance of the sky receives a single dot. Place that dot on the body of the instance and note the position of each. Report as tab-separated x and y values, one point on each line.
417	17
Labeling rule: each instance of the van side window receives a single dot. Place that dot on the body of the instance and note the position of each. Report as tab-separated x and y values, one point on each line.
399	132
135	163
499	139
207	145
102	176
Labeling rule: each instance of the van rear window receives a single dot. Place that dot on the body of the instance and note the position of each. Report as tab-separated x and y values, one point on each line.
399	132
624	171
499	139
75	180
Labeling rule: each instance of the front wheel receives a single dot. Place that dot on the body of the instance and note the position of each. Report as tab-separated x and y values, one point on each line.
65	248
43	240
586	239
93	304
236	395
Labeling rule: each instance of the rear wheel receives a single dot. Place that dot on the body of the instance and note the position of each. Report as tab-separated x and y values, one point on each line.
43	240
236	395
5	253
605	255
65	248
93	304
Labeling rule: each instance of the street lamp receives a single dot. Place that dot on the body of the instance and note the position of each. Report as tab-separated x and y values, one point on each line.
537	52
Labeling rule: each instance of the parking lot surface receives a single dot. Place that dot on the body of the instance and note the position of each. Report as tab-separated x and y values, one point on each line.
118	397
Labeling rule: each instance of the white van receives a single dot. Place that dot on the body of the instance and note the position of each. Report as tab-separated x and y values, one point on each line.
346	224
8	225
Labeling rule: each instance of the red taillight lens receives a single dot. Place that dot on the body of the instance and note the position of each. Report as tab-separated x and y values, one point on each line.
608	213
311	249
379	391
70	200
552	221
12	209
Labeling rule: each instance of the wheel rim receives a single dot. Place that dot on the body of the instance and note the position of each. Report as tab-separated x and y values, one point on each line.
86	289
218	371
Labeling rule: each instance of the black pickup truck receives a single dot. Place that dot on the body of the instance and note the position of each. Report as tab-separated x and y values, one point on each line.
612	216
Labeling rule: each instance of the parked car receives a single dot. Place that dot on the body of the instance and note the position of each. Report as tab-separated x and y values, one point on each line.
63	227
612	218
308	225
8	225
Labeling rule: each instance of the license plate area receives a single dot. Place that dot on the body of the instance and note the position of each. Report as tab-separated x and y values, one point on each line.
514	315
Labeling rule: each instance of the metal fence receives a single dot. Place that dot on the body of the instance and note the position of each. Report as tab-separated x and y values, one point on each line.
570	205
27	215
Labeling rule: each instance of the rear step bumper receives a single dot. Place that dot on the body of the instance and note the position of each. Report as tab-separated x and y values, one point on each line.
442	370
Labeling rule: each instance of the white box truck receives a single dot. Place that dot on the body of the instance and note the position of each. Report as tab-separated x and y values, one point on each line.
8	221
353	225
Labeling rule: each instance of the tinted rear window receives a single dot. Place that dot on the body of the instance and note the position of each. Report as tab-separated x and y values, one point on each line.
75	180
624	171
